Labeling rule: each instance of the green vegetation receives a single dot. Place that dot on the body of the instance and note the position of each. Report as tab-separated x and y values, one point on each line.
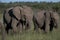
34	5
55	35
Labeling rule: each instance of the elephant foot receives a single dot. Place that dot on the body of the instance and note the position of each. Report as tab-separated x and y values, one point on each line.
56	27
37	30
27	28
46	31
15	31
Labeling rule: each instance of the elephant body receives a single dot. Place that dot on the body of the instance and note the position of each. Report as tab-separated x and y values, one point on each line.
28	13
11	17
39	20
46	20
17	17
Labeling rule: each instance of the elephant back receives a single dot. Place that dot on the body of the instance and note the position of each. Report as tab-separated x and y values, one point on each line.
40	17
17	12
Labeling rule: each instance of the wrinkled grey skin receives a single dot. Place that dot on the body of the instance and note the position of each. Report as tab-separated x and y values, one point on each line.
46	20
17	12
39	20
6	19
11	17
17	17
28	13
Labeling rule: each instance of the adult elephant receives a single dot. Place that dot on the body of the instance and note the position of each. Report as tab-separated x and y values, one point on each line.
41	20
11	17
46	20
26	16
15	18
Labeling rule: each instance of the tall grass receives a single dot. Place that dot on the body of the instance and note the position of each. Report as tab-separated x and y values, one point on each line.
54	35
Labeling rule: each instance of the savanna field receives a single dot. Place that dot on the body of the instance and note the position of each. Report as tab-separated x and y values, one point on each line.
31	34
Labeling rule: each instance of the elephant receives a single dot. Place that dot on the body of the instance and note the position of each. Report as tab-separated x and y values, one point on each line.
26	17
39	20
46	20
11	17
17	17
7	20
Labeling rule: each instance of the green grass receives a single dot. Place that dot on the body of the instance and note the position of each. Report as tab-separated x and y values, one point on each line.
55	35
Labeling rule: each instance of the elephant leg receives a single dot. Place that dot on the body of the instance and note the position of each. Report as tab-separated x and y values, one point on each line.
47	27
51	28
20	25
26	26
47	22
43	27
35	24
51	24
56	24
36	27
3	32
5	25
14	23
20	28
7	30
26	23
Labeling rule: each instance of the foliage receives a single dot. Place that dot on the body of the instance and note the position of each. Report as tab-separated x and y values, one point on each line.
34	5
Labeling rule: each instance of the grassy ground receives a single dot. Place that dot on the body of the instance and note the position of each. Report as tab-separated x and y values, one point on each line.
31	35
55	35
